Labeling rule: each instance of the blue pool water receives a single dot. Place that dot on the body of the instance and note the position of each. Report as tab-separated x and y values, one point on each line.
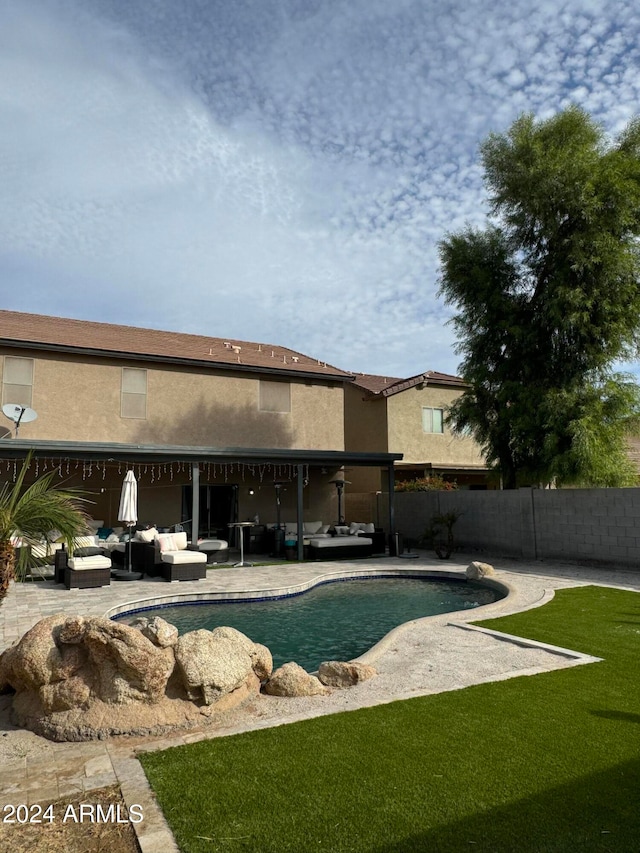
333	621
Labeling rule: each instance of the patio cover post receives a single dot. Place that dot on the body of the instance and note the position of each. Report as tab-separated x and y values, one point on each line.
392	513
195	503
300	512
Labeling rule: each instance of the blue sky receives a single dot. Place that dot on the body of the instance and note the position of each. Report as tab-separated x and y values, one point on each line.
275	170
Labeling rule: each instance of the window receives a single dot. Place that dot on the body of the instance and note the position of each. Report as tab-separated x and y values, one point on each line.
17	381
432	420
274	396
134	393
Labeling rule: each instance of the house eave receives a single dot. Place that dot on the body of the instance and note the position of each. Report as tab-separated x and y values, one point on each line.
95	352
16	448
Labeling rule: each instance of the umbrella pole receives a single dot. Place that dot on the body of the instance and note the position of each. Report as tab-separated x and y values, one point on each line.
130	528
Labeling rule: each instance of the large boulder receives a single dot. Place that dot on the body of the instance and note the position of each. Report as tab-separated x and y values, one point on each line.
262	661
38	658
476	571
211	665
260	655
292	680
123	665
335	673
81	678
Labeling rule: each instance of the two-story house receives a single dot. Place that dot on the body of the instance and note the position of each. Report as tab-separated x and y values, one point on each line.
208	425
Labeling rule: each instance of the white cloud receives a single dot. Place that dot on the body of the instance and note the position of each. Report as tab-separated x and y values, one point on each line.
279	170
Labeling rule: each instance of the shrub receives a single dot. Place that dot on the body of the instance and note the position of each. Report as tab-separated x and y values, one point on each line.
434	483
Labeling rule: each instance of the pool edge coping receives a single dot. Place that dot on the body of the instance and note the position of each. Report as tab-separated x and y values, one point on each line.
378	648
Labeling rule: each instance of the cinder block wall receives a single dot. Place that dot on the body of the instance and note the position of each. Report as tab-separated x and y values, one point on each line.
569	524
588	524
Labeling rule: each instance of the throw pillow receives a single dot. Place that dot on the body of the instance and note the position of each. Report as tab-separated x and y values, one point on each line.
146	535
172	541
87	552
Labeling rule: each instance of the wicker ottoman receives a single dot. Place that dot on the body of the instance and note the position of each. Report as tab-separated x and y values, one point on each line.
87	572
184	565
216	550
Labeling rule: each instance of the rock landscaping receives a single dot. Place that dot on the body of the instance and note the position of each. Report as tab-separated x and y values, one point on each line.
476	571
77	678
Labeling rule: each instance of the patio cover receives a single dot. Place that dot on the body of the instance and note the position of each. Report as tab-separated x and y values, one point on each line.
17	448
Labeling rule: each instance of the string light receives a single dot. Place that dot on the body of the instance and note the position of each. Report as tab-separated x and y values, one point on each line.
211	470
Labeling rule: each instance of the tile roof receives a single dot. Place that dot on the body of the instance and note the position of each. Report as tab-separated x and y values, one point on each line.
374	384
386	386
107	338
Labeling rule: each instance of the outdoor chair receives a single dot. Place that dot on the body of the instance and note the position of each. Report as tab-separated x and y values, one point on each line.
87	572
175	559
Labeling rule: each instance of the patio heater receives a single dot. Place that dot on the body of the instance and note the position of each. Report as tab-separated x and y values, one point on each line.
278	533
339	482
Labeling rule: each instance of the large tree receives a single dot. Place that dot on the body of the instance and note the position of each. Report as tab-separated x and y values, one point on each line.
547	300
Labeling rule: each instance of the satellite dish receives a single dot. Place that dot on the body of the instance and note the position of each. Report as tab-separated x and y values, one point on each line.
19	414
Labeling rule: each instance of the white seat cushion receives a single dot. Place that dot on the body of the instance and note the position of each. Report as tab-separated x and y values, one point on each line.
339	541
213	545
176	557
97	562
86	542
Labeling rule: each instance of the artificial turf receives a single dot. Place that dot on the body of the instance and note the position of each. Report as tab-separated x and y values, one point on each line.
547	763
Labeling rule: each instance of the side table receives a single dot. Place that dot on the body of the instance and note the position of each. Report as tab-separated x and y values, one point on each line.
241	525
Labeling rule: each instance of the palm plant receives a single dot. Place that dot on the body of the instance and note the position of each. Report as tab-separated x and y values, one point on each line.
30	513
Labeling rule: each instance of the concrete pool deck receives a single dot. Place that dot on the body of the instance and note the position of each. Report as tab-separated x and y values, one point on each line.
425	656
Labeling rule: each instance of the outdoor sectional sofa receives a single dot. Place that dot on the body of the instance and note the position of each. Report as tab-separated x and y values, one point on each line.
322	542
340	547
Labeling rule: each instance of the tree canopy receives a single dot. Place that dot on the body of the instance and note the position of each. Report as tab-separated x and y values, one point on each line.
547	300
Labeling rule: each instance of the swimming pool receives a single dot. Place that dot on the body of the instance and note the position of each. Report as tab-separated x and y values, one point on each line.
332	621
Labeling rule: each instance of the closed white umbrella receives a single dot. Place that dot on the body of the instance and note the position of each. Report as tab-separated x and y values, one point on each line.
128	512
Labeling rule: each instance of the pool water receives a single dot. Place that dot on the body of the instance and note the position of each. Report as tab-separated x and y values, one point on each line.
333	621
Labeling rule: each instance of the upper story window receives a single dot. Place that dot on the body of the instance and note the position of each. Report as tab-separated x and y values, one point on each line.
274	396
17	380
134	393
432	420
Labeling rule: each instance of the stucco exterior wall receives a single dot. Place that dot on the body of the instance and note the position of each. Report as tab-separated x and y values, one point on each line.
80	399
365	429
406	435
365	426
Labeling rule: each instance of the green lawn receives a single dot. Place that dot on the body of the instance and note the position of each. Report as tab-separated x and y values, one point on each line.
541	763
